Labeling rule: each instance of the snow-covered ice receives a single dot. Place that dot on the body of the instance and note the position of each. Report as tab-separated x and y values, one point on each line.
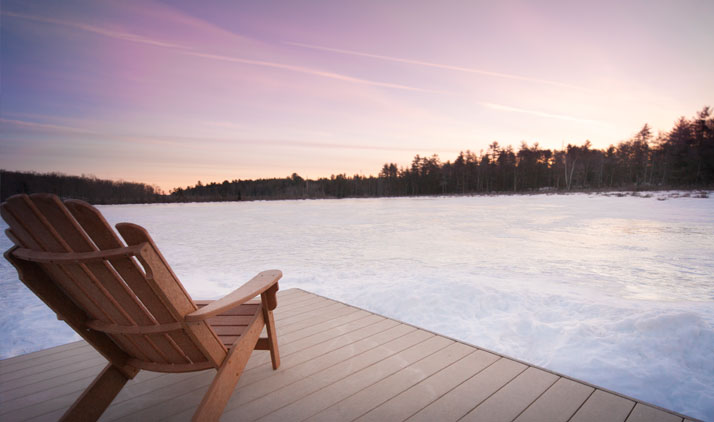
616	291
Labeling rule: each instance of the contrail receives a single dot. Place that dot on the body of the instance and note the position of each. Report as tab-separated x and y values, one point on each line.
539	113
310	71
435	65
90	28
44	126
125	36
182	49
173	140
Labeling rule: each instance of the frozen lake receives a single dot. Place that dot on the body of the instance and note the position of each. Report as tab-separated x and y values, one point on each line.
616	291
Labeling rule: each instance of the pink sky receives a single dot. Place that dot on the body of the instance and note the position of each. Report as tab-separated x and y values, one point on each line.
172	93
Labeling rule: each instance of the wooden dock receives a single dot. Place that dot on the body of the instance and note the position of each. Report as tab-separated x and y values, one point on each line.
339	363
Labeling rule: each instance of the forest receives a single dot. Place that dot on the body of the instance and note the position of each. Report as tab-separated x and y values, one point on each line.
682	158
88	188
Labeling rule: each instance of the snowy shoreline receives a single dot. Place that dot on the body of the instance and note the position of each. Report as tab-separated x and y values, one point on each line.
643	192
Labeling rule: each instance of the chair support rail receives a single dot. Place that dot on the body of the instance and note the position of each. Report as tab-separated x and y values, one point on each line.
77	257
106	327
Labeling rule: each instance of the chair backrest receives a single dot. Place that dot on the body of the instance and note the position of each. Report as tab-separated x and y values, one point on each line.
72	259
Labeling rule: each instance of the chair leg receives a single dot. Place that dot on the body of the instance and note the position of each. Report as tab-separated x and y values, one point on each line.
98	396
272	337
220	390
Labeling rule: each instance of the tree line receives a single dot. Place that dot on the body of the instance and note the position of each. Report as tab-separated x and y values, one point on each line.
680	158
85	187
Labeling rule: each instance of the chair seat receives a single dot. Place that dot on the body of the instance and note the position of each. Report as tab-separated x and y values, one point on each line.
230	325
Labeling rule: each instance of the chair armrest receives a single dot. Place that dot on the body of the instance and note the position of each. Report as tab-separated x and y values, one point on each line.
257	285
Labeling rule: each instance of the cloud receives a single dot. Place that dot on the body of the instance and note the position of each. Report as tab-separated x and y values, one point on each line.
182	49
435	65
539	113
43	126
294	143
197	142
310	71
125	36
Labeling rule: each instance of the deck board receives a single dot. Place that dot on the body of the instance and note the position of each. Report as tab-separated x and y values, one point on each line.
365	400
465	397
339	363
508	402
353	383
604	406
416	397
558	403
644	413
31	359
291	393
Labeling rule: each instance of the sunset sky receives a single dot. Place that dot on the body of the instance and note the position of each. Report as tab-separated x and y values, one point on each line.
169	93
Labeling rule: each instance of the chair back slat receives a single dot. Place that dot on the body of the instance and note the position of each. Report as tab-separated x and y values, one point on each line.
171	292
21	237
40	283
105	238
116	290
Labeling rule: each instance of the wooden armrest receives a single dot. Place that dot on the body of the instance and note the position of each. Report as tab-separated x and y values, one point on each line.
257	285
76	257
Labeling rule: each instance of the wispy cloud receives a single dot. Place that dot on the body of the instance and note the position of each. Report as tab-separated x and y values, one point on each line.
193	52
539	113
257	142
43	126
435	65
125	36
311	71
197	142
223	124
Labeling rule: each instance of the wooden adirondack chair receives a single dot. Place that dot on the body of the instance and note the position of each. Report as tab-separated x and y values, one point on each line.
127	303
